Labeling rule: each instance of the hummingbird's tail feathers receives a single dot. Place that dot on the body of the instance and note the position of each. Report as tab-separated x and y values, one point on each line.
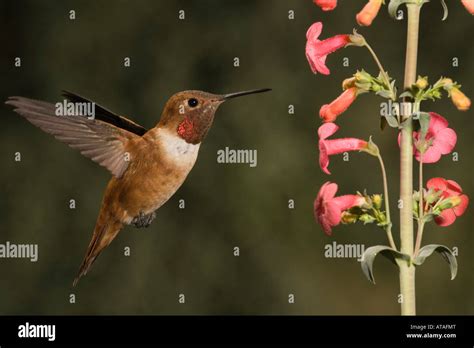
104	234
102	142
106	115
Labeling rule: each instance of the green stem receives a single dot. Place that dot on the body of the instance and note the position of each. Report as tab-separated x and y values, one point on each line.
382	70
407	269
419	237
388	228
421	213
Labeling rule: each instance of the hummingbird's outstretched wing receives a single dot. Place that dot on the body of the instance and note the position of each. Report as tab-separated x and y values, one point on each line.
100	141
106	115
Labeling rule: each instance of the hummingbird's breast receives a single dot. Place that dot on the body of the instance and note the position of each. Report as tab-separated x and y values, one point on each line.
162	162
175	149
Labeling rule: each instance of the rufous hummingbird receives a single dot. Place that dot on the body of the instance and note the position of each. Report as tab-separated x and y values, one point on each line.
148	166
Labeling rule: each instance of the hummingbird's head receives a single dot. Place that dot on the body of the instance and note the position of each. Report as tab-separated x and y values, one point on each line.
191	113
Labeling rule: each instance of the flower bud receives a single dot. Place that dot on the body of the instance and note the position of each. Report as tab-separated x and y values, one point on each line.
357	39
460	100
366	16
422	82
363	77
377	201
366	218
349	218
326	5
447	83
348	83
330	112
416	208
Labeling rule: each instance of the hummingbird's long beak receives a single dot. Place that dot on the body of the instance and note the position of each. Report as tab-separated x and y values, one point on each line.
240	94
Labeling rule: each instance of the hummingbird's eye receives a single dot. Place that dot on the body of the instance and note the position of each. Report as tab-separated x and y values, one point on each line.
193	102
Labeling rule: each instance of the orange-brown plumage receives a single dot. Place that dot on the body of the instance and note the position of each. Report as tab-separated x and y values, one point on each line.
148	167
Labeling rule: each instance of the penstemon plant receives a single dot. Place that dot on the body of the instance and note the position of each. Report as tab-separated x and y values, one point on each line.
422	135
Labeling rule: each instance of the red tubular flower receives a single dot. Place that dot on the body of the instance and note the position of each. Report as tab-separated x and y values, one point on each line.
450	190
328	208
326	5
317	50
469	5
460	100
335	146
369	12
330	112
442	139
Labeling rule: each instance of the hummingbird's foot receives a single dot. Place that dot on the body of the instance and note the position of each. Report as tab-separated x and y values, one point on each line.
143	220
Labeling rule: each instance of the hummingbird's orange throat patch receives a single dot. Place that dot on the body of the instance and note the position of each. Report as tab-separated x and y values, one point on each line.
186	130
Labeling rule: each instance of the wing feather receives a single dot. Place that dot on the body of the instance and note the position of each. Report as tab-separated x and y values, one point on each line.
98	140
105	115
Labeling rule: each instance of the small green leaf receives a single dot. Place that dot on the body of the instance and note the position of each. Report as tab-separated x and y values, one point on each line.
445	9
392	121
424	120
444	251
427	217
365	86
394	88
366	219
393	7
407	94
369	255
384	93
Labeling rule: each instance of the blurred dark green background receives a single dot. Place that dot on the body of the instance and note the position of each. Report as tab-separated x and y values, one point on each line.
190	251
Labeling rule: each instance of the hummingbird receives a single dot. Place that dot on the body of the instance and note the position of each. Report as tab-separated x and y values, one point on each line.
147	165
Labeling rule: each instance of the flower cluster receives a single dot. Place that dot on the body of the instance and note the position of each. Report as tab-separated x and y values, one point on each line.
330	210
421	91
424	136
430	142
